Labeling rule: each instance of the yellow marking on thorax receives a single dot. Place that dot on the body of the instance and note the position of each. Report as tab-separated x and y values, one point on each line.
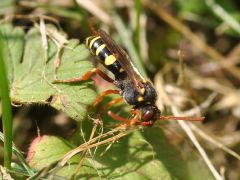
142	91
93	40
140	99
121	70
110	60
144	81
100	48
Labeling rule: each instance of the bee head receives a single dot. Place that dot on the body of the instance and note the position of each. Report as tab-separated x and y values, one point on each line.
150	113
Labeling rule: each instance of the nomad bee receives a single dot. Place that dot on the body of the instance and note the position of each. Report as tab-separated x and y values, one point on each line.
133	87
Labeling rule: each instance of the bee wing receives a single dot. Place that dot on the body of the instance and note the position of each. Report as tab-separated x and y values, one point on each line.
123	58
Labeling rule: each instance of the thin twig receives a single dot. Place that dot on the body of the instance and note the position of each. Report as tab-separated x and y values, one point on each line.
91	144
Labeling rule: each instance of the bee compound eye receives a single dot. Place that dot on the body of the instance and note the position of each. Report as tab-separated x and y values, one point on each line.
147	115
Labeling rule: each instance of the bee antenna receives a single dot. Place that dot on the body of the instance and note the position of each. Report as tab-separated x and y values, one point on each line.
90	24
181	118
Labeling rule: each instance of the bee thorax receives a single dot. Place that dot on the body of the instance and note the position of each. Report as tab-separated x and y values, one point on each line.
136	97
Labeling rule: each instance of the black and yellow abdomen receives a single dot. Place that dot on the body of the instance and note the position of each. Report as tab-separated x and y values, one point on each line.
99	48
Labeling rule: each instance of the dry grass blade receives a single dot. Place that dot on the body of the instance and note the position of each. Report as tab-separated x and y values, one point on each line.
197	41
94	142
42	28
90	144
95	10
213	141
203	134
224	15
4	174
96	123
202	107
200	149
160	87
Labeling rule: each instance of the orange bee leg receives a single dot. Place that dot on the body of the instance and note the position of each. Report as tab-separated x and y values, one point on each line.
127	122
103	94
118	118
146	123
87	76
111	103
134	120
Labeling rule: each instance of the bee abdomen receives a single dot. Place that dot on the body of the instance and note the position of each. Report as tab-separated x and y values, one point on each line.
99	48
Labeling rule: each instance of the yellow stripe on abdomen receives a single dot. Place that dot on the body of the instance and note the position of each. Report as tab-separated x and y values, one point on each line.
87	40
92	41
100	48
110	60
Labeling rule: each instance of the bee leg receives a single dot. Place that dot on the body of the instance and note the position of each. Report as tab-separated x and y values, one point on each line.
147	123
103	108
119	118
87	76
103	94
136	113
134	120
115	101
127	122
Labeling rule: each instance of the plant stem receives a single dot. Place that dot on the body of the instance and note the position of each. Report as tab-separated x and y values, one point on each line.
6	110
137	32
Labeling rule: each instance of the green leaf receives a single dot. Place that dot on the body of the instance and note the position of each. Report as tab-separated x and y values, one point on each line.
31	71
46	150
21	168
140	155
148	155
181	164
136	158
